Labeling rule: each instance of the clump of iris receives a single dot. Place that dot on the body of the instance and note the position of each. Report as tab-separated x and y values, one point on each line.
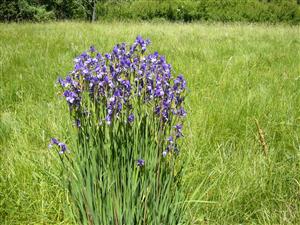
116	81
128	110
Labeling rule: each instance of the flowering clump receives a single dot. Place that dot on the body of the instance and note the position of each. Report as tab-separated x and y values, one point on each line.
128	108
116	81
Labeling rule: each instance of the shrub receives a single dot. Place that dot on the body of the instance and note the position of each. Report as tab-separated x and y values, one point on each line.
22	10
8	10
212	10
272	11
128	110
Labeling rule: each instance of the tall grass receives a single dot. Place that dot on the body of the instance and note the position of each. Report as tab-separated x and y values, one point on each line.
237	73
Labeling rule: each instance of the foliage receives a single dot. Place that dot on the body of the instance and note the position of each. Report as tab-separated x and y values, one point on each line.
205	10
23	10
271	11
38	11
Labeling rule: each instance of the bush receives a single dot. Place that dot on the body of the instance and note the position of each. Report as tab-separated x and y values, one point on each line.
273	11
211	10
22	10
8	10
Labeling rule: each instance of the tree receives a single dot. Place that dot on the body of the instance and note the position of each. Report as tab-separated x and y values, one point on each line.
90	6
94	10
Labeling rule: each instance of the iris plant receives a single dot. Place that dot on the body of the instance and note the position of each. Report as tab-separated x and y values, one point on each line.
128	110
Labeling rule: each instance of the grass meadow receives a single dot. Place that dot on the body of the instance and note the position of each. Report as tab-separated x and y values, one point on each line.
236	74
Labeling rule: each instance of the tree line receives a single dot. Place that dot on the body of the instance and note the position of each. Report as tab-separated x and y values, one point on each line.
272	11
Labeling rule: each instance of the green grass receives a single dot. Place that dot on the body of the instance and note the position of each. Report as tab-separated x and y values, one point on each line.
235	73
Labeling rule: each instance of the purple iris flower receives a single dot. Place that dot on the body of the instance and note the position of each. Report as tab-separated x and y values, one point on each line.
179	83
165	115
170	139
69	80
118	93
108	119
140	162
126	84
53	141
166	151
139	39
61	82
181	112
159	92
83	55
85	71
62	146
99	56
120	106
167	103
92	48
178	130
131	118
70	96
108	56
178	100
116	50
157	110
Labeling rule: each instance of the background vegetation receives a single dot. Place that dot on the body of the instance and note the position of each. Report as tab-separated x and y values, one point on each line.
235	74
271	11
